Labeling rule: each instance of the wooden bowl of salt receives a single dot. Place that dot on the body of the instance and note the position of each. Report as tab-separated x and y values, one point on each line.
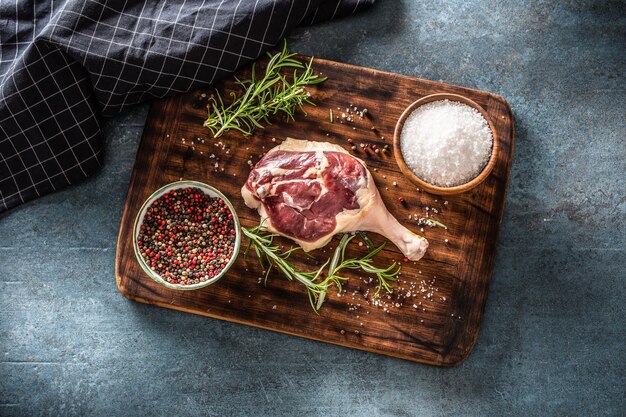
445	143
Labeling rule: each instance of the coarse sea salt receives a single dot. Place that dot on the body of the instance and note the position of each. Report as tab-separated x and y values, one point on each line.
446	143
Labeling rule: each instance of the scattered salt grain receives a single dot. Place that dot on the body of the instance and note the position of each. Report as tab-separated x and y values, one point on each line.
446	143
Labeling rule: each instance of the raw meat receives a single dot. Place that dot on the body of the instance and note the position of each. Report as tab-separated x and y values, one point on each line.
309	191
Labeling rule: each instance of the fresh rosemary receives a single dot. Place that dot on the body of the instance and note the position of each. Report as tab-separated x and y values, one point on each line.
436	223
271	255
272	94
384	275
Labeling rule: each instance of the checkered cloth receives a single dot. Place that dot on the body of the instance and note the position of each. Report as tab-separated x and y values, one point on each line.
64	63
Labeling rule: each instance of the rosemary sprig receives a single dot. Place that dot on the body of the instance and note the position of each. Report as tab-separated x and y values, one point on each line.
384	275
436	223
271	255
272	94
366	239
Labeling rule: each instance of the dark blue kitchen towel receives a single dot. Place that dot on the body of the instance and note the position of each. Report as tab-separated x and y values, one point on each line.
64	63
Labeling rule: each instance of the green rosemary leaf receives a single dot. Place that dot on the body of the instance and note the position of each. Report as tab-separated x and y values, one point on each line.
271	255
366	239
264	97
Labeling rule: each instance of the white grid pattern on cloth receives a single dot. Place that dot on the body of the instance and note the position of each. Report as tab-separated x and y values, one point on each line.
109	44
4	98
243	45
132	32
161	71
282	32
88	57
190	26
59	133
232	21
269	23
91	116
11	178
18	154
34	185
143	65
201	61
56	119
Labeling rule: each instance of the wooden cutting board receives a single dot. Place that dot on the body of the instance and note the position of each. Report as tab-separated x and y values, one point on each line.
435	311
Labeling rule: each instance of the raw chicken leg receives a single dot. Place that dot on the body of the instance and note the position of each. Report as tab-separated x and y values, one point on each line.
310	191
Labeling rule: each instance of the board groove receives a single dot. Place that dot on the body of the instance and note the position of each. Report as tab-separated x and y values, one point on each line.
442	334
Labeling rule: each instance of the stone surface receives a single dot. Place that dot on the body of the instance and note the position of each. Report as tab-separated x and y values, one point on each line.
552	341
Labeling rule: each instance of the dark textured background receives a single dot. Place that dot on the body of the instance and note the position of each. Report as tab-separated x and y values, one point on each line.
552	341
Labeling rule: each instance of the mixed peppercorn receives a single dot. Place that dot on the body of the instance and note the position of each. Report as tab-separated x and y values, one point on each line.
187	236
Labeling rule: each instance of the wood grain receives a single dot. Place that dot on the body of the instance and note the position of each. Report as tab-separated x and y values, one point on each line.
442	329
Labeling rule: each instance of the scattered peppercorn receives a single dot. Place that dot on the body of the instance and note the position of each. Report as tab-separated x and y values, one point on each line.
187	236
201	101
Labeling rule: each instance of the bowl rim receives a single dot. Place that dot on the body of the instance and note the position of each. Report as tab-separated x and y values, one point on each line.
157	194
434	189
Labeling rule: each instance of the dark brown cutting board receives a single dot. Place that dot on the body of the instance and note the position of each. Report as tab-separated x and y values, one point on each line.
440	328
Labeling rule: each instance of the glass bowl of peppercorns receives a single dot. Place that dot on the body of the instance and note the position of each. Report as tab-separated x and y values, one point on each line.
186	235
